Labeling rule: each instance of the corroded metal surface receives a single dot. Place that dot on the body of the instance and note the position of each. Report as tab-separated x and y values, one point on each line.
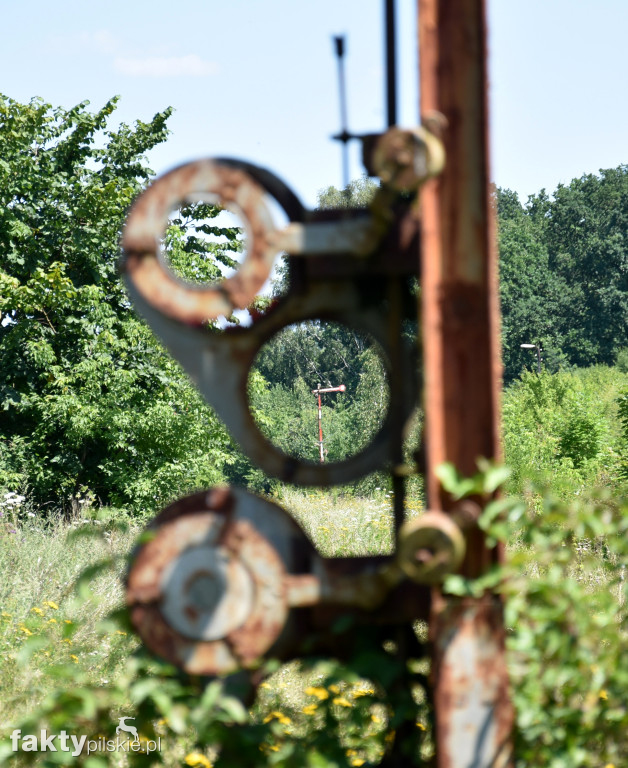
231	188
404	159
462	367
207	591
430	547
212	589
228	577
473	717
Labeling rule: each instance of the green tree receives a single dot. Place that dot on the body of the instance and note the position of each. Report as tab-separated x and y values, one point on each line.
567	425
90	402
586	229
564	271
531	293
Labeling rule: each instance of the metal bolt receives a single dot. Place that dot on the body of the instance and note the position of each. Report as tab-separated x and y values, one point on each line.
206	593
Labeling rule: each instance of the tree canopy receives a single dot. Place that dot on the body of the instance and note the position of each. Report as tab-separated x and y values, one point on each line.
564	272
90	402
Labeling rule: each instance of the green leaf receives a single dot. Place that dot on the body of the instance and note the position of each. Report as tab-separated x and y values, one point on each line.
29	647
234	709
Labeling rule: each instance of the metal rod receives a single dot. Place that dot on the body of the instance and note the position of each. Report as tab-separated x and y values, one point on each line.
537	347
460	319
344	133
391	64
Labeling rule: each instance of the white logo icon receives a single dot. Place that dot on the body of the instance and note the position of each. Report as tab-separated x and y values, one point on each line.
122	726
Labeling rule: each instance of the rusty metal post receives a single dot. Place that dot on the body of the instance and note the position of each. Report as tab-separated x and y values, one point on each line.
462	368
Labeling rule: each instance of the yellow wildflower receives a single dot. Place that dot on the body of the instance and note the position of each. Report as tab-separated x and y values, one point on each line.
74	658
25	630
376	719
357	761
283	719
67	621
320	693
420	726
38	611
197	759
334	688
264	685
358	692
51	604
603	695
6	615
309	709
350	752
67	640
266	748
52	621
341	701
120	632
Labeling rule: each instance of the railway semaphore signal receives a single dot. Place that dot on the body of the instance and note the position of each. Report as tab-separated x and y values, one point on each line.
321	391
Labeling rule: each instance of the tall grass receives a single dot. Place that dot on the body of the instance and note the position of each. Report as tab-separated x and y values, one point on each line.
54	633
44	618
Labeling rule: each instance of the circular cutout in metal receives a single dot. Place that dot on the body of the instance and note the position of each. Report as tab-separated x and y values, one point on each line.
319	392
232	186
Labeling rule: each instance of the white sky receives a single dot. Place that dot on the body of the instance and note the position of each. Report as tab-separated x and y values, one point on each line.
256	79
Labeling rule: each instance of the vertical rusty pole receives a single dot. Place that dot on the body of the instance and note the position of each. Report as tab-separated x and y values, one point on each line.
462	368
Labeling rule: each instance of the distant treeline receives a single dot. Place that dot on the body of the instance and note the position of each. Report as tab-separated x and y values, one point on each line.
564	273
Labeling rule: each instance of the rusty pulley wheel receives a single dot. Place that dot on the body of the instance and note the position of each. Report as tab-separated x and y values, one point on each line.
208	591
239	187
430	547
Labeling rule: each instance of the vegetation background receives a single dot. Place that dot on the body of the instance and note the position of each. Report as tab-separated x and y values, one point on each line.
99	429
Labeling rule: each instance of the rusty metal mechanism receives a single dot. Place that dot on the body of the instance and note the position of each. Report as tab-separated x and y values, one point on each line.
340	269
225	577
220	582
218	585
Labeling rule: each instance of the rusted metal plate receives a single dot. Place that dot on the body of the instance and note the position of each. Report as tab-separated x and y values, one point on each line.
462	368
231	188
219	363
207	592
473	717
213	589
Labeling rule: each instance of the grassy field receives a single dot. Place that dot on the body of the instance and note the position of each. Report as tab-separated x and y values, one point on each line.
53	630
55	634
